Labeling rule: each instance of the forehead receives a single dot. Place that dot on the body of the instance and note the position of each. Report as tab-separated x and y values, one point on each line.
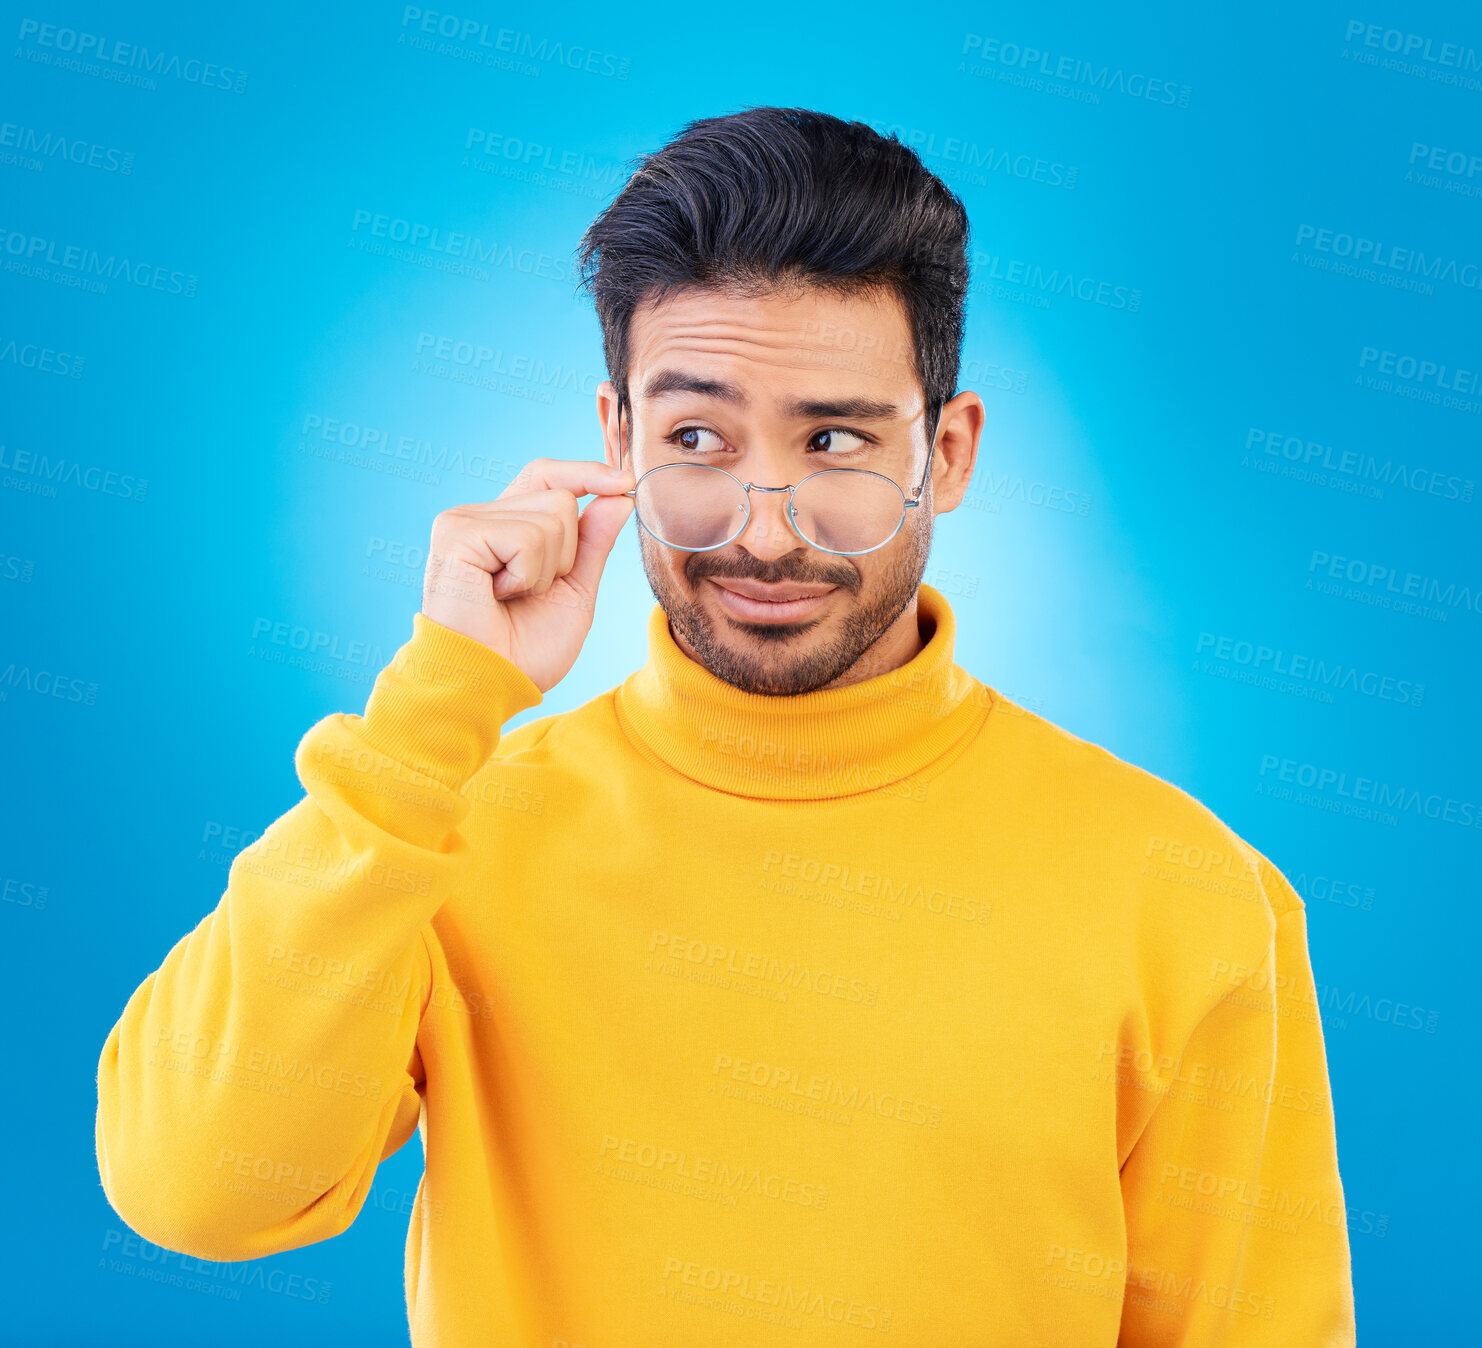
803	342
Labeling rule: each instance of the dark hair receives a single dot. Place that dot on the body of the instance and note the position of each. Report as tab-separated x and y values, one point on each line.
771	196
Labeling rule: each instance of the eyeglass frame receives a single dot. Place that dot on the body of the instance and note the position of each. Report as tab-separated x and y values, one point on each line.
907	502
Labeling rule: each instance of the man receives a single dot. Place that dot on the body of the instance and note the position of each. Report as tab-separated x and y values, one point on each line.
802	983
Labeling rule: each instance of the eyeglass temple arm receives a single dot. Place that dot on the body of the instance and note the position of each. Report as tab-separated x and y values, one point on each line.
915	498
632	491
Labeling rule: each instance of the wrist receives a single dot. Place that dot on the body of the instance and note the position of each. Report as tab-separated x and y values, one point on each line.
438	707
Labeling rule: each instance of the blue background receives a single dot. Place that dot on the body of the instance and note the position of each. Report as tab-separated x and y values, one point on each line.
1186	536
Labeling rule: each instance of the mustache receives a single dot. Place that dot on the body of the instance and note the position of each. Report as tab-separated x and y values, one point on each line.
794	567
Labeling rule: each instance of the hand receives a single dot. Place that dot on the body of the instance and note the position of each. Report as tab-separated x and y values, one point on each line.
520	573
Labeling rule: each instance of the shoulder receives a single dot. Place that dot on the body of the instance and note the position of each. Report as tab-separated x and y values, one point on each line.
563	750
545	738
1105	801
562	756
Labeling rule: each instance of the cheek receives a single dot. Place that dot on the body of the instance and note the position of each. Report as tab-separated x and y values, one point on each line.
918	525
665	563
905	554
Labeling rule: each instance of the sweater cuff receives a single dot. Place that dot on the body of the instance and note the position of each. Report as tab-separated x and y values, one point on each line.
440	704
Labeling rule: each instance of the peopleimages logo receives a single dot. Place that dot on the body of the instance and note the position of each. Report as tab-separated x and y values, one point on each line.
1389	258
405	456
33	356
1273	660
46	683
1420	380
1445	170
1378	577
1073	70
317	643
473	356
43	145
966	159
458	252
82	49
507	43
43	474
1456	163
993	270
1419	370
1369	791
1358	471
86	268
568	170
1414	46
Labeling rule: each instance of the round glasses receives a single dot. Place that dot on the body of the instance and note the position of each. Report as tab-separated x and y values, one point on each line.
696	507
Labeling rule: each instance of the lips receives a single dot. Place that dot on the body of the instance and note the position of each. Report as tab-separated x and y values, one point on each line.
782	592
753	601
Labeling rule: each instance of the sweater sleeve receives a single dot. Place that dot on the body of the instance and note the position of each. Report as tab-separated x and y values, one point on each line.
257	1078
1236	1228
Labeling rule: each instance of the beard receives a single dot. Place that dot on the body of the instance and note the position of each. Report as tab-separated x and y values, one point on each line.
777	659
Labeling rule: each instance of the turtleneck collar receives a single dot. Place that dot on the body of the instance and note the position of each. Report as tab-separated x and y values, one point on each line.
812	746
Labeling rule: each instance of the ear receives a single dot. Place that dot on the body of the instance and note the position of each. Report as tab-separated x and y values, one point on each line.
608	416
958	433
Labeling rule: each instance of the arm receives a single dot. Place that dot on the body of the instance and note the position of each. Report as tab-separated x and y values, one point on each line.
1236	1229
255	1080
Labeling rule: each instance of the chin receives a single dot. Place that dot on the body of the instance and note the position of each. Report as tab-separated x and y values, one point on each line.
769	633
772	634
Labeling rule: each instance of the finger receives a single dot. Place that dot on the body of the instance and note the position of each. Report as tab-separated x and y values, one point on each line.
547	499
570	524
581	477
550	557
556	503
455	580
517	548
555	526
597	530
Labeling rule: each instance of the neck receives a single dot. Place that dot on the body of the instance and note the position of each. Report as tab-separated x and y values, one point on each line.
897	645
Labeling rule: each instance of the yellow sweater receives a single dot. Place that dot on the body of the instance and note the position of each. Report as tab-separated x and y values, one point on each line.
887	1014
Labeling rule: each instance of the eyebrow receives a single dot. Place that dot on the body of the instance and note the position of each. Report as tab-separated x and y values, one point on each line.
867	409
667	382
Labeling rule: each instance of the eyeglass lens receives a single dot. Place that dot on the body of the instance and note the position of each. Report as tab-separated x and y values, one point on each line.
696	507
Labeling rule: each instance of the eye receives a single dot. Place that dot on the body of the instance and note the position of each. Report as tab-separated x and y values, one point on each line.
836	440
695	440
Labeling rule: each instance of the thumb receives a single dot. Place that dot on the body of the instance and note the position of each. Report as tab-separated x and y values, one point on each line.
596	532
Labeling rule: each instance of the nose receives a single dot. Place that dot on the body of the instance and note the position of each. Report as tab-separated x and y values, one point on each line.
768	534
